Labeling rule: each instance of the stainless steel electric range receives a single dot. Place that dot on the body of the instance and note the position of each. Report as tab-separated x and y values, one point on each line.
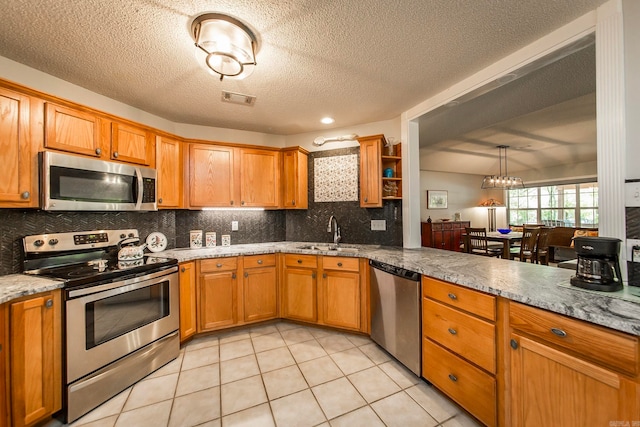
121	317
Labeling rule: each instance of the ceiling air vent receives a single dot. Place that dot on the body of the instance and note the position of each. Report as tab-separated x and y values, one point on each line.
238	98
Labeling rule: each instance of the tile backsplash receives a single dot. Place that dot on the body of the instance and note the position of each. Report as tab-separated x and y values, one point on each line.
308	225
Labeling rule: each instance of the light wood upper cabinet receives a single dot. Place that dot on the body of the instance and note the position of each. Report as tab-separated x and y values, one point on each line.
212	176
18	162
132	144
170	172
259	178
188	325
36	355
75	131
295	178
371	171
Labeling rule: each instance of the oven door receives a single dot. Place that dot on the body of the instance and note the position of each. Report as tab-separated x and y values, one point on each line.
107	322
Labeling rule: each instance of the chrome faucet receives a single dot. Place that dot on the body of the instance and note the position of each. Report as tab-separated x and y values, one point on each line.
335	229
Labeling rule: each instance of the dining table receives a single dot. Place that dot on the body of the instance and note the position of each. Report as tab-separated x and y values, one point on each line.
507	240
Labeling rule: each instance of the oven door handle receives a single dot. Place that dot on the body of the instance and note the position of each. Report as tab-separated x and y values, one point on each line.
74	293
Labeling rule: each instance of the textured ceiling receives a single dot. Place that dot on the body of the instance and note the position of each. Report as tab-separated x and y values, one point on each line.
359	61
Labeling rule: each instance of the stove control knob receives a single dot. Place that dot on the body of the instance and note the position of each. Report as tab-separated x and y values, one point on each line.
131	235
38	243
122	236
53	242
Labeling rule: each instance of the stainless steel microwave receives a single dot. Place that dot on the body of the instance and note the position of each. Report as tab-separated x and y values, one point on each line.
72	183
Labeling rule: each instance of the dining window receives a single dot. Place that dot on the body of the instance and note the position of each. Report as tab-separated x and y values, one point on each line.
570	205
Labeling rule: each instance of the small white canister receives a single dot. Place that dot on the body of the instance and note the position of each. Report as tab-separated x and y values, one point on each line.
210	239
195	239
226	240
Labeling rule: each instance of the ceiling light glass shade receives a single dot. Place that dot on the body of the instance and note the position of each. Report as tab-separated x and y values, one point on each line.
502	181
224	45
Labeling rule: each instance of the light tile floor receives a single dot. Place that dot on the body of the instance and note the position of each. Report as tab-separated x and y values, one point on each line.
280	374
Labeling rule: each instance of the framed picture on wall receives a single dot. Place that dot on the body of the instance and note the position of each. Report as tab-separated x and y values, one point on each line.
436	199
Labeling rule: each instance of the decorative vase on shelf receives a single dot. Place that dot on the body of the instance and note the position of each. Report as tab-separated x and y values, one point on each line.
429	219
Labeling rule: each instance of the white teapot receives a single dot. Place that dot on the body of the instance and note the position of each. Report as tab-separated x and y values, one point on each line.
132	252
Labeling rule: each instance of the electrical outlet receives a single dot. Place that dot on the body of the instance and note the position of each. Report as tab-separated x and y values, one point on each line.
234	225
378	225
633	254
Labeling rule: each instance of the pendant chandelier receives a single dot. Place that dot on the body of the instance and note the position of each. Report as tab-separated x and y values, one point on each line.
502	181
224	45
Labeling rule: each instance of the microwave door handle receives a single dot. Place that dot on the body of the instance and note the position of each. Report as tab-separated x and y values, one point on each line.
140	189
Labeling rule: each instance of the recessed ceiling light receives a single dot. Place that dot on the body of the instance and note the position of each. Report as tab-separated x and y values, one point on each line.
327	120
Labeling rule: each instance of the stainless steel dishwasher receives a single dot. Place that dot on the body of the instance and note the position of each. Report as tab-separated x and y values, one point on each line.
395	313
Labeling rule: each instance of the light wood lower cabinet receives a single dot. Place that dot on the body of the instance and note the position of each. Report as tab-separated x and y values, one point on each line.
459	346
36	353
300	288
4	359
341	299
567	372
217	293
188	323
259	288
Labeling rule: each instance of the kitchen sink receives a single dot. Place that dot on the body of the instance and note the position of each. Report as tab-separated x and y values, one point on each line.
328	248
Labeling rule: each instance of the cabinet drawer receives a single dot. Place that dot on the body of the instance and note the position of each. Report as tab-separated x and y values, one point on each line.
469	386
296	260
461	333
340	263
474	302
595	343
218	264
253	261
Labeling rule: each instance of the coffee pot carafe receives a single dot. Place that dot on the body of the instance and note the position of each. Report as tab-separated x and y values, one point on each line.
598	266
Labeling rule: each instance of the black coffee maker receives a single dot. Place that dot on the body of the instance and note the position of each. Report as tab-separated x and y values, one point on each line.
598	266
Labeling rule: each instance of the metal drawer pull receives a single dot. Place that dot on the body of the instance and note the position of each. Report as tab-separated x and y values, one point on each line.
453	378
514	344
324	275
452	331
452	296
182	270
299	261
246	274
218	265
339	264
559	332
259	261
233	275
48	303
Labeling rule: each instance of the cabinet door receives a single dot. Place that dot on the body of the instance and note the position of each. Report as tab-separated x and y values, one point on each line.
438	240
74	131
341	299
17	155
169	167
36	341
260	178
211	176
300	294
370	173
188	325
4	359
132	145
218	300
295	179
259	294
550	387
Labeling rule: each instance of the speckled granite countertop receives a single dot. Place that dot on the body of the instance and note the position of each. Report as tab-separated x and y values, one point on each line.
536	285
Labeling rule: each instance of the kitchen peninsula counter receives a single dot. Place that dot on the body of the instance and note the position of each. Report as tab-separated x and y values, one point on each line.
536	285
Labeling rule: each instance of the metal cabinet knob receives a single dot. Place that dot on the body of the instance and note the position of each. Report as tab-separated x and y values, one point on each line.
452	331
246	274
453	378
259	261
293	202
452	296
339	264
48	303
242	203
233	275
182	270
299	261
324	275
231	202
115	154
160	200
313	275
25	195
366	199
514	344
218	265
98	151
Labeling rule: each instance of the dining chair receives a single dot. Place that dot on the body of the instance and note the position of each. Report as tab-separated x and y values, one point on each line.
527	246
477	242
542	246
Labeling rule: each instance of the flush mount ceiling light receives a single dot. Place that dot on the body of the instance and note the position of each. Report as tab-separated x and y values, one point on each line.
226	46
327	120
502	181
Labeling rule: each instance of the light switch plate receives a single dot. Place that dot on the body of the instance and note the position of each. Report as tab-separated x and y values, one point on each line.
632	194
234	225
378	225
